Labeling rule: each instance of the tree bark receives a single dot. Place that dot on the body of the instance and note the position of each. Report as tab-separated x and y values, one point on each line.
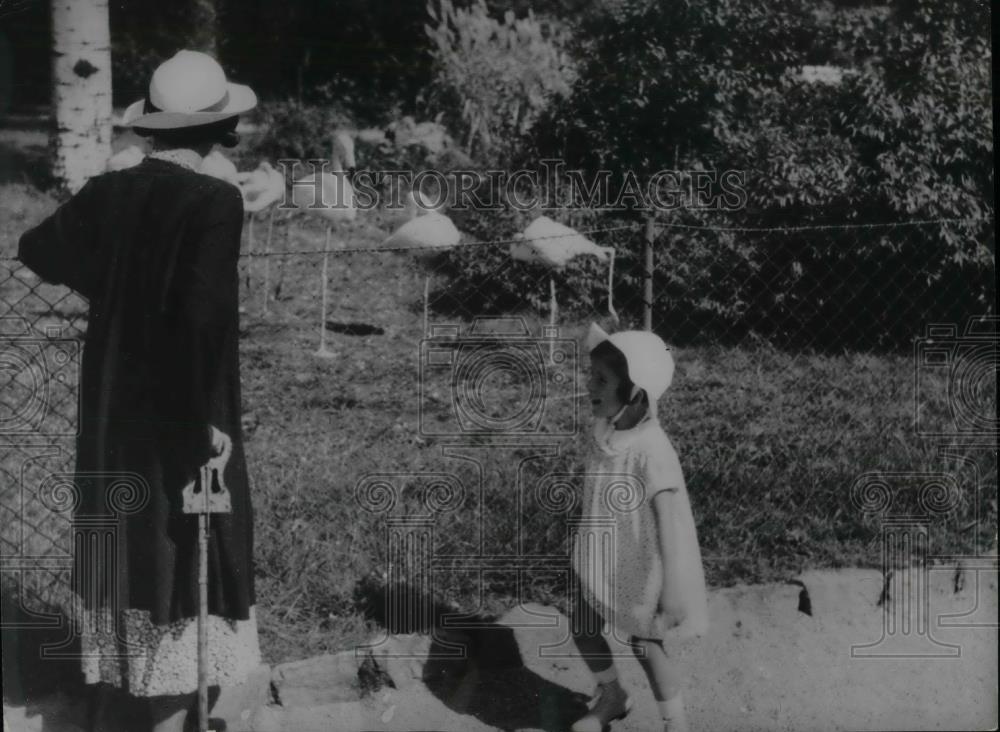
81	97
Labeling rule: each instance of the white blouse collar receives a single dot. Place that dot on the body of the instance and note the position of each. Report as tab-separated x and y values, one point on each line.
180	156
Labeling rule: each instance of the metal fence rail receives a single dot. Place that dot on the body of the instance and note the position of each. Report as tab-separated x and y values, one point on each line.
823	289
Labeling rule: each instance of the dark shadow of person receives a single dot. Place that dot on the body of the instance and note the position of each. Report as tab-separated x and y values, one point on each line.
46	684
474	665
42	672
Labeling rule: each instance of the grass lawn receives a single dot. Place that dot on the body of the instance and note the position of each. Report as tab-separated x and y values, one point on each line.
771	443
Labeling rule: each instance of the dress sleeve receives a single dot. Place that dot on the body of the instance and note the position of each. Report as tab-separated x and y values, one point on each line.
663	471
63	249
207	306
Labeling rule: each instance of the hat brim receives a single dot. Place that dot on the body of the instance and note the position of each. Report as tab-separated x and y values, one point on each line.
241	99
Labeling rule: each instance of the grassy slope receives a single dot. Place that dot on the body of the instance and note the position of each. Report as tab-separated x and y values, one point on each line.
771	443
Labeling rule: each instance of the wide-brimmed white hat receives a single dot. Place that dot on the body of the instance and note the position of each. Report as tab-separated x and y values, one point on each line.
188	90
650	363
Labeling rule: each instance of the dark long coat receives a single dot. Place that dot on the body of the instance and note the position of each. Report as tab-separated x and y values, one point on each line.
154	250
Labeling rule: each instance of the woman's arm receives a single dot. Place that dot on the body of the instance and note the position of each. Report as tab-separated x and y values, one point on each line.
63	249
207	304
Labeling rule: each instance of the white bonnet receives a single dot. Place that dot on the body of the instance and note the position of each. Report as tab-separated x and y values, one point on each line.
650	363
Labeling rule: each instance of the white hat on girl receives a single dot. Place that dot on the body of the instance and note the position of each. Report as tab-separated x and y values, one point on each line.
650	364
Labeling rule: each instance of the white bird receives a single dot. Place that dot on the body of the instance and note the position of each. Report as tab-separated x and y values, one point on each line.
261	189
427	233
127	157
554	245
218	165
330	197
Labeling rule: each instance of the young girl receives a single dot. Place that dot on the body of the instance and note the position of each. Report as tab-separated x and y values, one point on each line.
636	557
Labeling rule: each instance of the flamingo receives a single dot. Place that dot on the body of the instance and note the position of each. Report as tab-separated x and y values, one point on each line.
261	189
554	245
335	205
127	157
427	234
218	165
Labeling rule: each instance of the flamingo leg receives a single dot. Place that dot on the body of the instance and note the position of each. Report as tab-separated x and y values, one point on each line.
552	318
323	352
427	292
250	251
267	257
611	287
282	264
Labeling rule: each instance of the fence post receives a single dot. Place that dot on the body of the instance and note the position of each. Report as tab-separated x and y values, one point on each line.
647	299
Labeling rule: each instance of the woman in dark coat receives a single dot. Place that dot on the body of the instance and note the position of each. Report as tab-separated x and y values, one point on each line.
154	249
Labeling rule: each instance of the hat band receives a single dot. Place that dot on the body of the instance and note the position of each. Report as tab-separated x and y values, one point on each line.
150	108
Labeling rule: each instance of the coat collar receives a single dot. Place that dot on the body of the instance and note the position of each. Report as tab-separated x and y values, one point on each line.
180	156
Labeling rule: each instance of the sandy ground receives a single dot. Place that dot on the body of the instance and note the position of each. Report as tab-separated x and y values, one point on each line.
853	664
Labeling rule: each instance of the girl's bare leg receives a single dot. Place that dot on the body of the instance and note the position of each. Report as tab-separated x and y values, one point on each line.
665	680
611	701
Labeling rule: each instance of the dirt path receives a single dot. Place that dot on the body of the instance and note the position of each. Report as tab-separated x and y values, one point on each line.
766	665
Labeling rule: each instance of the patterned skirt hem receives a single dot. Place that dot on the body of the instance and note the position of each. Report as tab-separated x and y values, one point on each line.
146	660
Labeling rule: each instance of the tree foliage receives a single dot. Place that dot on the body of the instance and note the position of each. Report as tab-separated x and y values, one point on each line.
895	126
492	77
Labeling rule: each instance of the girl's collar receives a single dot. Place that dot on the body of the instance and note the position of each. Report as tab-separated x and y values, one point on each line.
184	157
612	441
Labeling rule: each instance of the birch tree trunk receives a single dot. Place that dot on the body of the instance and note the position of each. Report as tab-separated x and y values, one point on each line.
81	97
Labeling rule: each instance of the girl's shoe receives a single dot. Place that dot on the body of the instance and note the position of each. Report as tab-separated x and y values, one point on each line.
610	702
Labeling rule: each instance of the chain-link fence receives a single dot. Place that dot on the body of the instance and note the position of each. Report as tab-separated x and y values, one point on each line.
799	367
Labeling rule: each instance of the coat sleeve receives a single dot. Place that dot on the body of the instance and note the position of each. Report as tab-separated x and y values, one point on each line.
63	249
207	317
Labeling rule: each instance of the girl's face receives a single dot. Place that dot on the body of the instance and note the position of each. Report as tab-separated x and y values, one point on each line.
603	388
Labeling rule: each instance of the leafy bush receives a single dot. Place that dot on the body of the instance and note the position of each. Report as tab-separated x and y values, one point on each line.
903	133
494	78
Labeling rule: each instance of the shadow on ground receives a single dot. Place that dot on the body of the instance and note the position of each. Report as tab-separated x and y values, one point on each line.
45	684
473	664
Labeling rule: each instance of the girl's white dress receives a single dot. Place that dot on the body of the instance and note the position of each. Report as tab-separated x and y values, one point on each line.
616	547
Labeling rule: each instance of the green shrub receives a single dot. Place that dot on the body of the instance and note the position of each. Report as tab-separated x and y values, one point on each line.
493	78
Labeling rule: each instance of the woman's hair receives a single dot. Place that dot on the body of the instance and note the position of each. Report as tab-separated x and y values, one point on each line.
616	360
222	133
